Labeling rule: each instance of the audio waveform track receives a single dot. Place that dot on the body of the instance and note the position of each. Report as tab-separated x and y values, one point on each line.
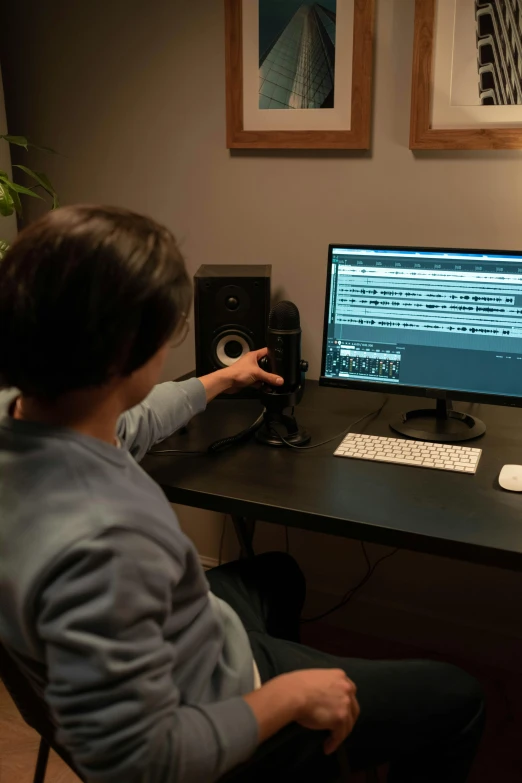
345	288
432	327
448	302
434	307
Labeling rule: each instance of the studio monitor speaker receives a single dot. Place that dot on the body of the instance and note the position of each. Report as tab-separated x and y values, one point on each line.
231	306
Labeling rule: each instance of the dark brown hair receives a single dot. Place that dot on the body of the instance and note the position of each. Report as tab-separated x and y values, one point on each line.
87	293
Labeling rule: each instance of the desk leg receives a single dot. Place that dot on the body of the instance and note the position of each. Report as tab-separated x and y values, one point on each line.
245	535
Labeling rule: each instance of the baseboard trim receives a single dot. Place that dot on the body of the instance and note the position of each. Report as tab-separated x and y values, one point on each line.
208	562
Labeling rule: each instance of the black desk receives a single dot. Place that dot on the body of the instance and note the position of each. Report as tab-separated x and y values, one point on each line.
468	517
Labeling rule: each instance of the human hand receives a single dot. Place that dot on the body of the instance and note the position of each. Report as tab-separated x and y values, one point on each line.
314	698
247	372
329	702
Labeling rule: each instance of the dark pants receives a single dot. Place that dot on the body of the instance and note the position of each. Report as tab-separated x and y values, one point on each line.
422	717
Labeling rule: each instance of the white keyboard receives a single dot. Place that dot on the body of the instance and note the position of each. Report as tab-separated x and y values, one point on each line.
410	452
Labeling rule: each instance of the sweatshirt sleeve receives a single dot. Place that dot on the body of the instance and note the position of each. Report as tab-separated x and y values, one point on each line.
110	672
167	408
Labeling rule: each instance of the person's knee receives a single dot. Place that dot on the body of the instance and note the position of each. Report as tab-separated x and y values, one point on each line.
278	561
281	564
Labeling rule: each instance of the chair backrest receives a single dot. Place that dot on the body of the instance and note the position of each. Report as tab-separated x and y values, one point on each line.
32	708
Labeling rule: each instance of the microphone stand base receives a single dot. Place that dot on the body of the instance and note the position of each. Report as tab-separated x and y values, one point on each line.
293	435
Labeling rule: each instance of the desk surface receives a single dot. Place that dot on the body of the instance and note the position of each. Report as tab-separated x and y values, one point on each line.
468	517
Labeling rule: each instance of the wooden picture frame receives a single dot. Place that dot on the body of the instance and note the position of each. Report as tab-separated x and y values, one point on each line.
423	136
357	136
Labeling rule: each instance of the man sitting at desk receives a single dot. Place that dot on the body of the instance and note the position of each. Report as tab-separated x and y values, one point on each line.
149	677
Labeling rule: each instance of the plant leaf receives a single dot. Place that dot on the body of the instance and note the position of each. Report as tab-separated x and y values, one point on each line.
20	141
43	149
16	202
43	180
46	183
4	247
14	188
6	201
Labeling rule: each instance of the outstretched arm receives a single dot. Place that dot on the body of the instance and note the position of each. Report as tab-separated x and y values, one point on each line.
171	405
245	372
167	409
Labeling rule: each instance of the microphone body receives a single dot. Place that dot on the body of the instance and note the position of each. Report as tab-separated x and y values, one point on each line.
284	346
284	359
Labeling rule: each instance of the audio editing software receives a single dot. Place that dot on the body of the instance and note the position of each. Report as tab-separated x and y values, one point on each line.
364	362
431	319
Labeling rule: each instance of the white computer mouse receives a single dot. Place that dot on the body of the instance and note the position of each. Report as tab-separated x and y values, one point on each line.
510	478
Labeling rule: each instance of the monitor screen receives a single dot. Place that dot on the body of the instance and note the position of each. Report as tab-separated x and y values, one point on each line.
429	319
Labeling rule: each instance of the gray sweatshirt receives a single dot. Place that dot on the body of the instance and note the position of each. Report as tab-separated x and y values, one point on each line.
104	604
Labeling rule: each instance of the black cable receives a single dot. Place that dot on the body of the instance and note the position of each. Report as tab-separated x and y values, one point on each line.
334	437
217	446
224	443
353	590
366	556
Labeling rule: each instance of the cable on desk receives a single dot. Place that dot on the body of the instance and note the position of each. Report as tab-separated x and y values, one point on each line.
347	597
334	437
218	446
224	443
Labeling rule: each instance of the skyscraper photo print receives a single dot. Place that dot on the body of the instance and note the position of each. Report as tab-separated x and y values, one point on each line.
299	75
297	54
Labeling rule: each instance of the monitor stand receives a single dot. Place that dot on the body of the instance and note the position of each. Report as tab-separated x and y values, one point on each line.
440	424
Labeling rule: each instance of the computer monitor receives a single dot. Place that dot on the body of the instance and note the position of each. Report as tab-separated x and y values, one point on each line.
430	322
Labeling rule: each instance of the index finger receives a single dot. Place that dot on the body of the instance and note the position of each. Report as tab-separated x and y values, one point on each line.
261	353
336	739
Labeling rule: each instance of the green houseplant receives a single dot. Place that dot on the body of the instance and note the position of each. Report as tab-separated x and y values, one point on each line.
11	192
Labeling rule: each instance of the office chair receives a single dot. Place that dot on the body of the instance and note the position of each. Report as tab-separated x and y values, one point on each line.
34	711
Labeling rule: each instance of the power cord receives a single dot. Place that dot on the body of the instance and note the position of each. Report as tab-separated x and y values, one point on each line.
347	597
334	437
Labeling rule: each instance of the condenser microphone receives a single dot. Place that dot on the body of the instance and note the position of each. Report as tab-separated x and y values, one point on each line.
283	359
284	345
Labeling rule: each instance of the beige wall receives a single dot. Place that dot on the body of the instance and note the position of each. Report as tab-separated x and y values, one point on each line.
132	94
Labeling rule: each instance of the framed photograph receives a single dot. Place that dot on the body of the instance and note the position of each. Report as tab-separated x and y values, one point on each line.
467	75
299	75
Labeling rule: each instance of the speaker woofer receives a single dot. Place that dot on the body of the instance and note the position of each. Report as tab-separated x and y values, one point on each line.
230	346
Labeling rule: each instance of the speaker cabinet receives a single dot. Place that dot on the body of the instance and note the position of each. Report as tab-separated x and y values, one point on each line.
231	307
